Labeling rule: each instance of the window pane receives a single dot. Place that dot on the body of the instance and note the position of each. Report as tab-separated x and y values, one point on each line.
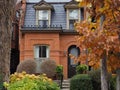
71	24
43	14
73	14
43	51
40	51
82	13
73	51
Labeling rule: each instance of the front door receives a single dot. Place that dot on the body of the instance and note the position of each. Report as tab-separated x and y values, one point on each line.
71	65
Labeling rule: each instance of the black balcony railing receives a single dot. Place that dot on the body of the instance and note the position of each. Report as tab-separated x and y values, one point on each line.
45	28
39	27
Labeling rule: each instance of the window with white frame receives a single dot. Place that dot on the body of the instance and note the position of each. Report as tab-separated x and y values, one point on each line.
73	16
43	18
41	51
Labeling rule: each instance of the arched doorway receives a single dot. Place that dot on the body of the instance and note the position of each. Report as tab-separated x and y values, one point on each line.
74	50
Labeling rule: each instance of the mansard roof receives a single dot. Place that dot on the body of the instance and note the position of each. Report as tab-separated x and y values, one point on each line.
72	4
43	5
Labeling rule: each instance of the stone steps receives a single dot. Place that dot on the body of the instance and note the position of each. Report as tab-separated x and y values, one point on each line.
66	85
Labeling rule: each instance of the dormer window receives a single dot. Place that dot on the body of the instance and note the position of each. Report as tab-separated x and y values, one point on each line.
73	13
73	17
43	13
43	18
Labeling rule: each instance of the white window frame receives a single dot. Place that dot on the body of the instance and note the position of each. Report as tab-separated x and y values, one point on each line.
38	16
68	19
36	51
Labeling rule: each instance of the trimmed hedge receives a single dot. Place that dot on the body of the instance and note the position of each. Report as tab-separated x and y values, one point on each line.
91	81
81	82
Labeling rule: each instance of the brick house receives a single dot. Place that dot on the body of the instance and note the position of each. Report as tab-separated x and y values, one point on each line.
47	31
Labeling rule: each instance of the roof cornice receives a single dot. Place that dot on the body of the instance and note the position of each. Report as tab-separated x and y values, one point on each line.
71	5
43	5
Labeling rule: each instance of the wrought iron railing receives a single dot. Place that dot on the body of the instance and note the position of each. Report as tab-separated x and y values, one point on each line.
43	27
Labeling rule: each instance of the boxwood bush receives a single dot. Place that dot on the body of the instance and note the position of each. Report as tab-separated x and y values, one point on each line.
81	82
82	68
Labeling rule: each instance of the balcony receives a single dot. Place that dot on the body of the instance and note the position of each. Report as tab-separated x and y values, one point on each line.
46	29
36	28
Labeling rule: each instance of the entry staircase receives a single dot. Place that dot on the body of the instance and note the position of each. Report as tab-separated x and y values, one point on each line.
66	85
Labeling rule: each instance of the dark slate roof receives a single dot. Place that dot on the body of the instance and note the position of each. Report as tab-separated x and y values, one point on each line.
58	16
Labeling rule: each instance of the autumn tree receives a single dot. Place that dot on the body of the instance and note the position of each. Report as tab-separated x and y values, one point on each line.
6	18
99	36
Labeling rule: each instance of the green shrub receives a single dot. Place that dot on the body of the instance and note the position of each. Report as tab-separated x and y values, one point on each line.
112	83
81	82
48	67
29	66
59	69
96	79
59	72
80	69
23	81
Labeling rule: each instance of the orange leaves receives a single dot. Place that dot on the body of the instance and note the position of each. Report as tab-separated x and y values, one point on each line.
113	62
96	37
82	3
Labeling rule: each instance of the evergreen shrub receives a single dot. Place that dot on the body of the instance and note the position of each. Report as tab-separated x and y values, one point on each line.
82	68
81	82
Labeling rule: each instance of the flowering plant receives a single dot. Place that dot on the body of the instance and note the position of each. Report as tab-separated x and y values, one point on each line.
23	81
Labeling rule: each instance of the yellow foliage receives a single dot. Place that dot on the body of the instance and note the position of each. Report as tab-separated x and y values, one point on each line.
100	35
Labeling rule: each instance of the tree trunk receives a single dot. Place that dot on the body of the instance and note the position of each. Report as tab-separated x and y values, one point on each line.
104	75
118	79
6	13
5	46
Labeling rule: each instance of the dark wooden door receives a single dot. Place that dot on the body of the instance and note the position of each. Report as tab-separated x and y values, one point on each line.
71	65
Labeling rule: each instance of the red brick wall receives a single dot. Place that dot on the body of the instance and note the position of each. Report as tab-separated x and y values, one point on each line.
59	45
